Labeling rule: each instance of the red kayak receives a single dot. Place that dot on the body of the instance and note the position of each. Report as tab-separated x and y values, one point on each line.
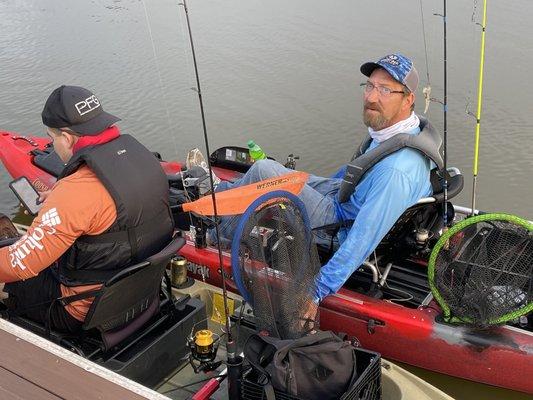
398	319
18	154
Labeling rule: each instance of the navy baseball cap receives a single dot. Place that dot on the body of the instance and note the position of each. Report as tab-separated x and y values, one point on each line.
399	67
77	109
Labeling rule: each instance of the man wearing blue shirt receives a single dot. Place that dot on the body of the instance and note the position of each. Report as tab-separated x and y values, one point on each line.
383	193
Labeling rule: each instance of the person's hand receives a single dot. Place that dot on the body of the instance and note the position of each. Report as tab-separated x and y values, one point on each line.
43	196
309	317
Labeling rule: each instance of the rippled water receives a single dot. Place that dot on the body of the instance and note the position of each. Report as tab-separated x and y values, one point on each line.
284	73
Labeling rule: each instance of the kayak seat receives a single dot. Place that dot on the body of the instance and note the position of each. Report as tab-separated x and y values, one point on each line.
400	241
426	214
404	250
130	298
134	325
455	181
48	160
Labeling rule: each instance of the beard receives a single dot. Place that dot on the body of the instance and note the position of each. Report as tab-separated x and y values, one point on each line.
373	117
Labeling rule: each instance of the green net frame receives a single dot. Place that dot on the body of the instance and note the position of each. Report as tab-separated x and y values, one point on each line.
448	317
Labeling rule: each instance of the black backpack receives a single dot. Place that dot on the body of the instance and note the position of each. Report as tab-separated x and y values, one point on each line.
316	366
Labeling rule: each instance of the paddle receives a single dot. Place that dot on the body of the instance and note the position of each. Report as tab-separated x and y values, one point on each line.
236	201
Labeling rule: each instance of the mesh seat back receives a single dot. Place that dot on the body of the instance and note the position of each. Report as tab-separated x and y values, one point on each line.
115	336
126	295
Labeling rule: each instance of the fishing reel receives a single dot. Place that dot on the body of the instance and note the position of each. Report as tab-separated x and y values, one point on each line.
186	187
203	346
419	242
421	238
291	161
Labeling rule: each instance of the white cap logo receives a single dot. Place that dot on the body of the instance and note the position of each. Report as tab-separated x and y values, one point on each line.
89	104
391	59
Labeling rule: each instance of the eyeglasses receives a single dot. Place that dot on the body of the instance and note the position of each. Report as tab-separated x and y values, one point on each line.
382	90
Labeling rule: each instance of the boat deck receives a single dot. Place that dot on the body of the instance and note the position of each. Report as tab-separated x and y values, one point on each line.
32	367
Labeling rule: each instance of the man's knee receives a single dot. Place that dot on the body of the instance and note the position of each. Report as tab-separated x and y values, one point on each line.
268	168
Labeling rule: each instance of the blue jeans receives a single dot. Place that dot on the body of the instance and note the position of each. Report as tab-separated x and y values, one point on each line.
317	195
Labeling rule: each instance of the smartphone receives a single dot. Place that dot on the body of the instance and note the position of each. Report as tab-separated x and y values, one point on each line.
27	194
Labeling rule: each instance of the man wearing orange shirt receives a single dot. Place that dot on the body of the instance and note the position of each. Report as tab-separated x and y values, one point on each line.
108	210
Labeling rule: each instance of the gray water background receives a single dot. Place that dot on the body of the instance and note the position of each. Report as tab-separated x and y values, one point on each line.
284	73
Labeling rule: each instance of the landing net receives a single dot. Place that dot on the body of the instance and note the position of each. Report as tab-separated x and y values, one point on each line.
274	262
480	271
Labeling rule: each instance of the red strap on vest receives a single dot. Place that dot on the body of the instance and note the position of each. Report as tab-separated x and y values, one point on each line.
105	136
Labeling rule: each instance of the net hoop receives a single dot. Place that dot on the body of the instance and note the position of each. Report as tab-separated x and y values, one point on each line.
448	317
235	244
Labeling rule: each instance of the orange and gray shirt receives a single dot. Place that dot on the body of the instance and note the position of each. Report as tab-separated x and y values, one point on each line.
78	204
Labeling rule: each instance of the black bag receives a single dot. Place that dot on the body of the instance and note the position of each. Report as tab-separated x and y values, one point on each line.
316	366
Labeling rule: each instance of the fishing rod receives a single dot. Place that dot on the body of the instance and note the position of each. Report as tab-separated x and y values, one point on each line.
234	361
232	358
445	116
479	104
427	94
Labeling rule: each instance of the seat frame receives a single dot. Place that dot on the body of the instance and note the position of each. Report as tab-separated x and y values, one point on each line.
91	341
431	222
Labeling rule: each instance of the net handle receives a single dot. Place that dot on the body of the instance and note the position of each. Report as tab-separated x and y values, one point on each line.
235	244
444	240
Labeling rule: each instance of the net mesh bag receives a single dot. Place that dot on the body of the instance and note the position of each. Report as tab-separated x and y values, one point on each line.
480	270
275	262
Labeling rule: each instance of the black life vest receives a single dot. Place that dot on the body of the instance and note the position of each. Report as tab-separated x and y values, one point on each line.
136	182
428	142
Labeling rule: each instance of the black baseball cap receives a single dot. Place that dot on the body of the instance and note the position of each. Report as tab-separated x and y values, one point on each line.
77	109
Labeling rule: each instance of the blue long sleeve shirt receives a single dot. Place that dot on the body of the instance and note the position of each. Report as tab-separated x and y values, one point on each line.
390	187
